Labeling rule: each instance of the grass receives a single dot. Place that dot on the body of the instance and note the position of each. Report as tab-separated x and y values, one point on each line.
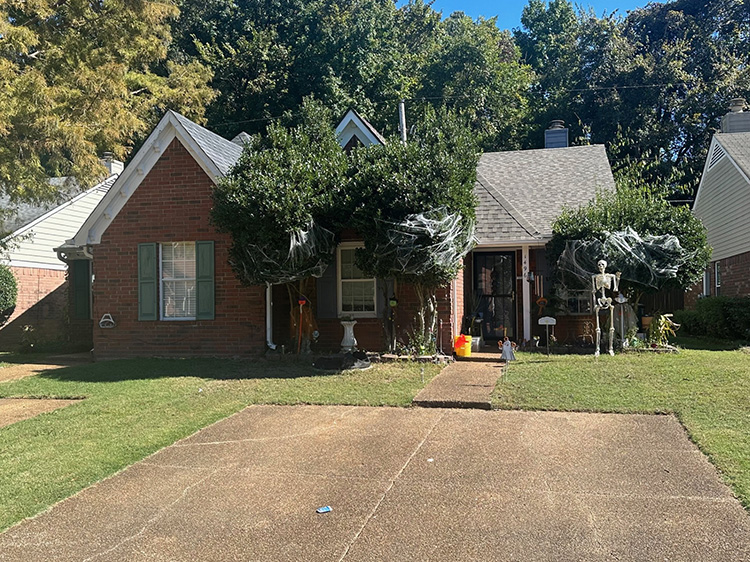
133	408
709	391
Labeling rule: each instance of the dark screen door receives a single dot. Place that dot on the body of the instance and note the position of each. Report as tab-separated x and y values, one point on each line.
494	286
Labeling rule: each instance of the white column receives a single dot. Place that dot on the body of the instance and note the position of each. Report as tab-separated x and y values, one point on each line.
526	293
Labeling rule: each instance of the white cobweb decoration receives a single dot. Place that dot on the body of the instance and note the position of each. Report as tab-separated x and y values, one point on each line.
300	254
426	242
647	260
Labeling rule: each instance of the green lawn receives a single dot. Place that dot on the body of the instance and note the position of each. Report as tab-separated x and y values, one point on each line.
709	391
135	407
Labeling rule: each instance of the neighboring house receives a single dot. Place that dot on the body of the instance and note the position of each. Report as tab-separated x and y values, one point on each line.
42	304
722	202
520	194
163	285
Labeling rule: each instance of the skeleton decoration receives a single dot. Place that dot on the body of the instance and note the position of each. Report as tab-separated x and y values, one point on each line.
602	282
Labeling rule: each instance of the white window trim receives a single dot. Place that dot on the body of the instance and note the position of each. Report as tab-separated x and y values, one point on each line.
339	295
161	285
717	276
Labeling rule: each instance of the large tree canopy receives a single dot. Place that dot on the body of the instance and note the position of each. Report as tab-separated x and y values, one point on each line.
79	77
267	56
651	85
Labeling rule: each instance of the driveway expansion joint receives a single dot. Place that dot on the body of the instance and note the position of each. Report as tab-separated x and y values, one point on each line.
371	515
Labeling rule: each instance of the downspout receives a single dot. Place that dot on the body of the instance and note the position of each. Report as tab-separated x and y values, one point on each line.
269	317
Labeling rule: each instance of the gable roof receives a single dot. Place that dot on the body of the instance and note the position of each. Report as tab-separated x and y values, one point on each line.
522	192
33	245
353	124
215	154
735	147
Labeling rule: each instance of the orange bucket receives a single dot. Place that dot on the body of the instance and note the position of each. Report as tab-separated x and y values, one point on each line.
462	345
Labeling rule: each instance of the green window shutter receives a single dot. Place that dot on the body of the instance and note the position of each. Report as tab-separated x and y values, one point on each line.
147	282
80	282
204	280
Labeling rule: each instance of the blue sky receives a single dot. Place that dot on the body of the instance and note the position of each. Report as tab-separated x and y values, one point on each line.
509	11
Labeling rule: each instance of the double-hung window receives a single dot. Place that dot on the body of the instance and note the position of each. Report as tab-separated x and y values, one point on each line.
356	291
178	281
579	302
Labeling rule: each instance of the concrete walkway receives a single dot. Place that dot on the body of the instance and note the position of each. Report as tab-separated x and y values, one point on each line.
403	484
463	384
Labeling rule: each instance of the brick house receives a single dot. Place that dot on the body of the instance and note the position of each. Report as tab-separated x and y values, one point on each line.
722	202
163	285
42	279
520	194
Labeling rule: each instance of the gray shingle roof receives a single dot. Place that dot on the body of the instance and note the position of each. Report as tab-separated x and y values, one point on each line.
737	146
521	192
224	153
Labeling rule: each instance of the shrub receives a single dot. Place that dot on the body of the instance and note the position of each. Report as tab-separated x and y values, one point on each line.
8	291
717	317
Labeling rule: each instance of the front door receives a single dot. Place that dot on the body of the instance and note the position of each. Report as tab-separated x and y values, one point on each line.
495	290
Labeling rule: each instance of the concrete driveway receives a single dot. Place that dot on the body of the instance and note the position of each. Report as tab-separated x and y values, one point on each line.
404	484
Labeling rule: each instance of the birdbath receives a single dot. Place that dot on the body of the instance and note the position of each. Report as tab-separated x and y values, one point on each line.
349	343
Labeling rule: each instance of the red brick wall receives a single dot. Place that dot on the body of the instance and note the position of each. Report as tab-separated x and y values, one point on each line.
41	303
369	331
172	204
735	276
735	279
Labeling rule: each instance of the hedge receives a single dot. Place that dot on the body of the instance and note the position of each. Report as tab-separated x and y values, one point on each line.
8	290
717	317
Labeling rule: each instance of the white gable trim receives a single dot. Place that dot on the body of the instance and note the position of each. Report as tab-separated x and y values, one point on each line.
352	125
134	173
706	168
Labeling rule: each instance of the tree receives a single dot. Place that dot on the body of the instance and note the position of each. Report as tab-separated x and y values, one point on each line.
414	206
476	68
636	230
368	54
78	78
278	203
651	85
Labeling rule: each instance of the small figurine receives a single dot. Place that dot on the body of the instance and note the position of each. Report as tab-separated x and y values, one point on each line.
508	348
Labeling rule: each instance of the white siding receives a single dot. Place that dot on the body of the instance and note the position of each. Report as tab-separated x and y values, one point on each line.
724	208
32	245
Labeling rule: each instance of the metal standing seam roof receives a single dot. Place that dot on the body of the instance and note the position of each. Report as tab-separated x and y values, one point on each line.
521	192
737	145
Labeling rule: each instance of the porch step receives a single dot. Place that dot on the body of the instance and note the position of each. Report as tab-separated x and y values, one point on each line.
463	384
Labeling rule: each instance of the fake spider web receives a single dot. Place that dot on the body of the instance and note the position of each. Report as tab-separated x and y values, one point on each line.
426	243
302	253
646	260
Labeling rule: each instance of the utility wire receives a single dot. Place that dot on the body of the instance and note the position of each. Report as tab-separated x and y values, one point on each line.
462	96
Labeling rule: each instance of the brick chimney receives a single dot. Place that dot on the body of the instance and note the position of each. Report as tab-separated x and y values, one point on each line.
738	118
556	135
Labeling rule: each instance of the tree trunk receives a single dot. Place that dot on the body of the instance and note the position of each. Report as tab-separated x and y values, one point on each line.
426	319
